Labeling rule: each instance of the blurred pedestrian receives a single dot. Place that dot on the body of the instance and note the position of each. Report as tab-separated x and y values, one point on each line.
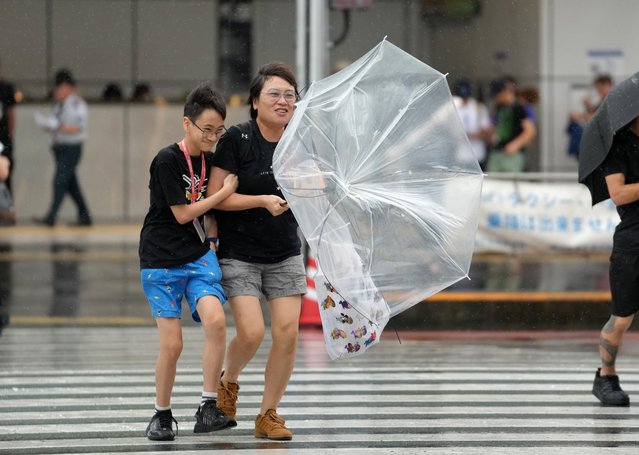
577	120
7	211
621	168
513	130
528	97
602	85
260	251
68	125
475	118
178	262
7	120
141	93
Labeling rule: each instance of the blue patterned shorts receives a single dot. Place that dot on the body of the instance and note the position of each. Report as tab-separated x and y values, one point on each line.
165	288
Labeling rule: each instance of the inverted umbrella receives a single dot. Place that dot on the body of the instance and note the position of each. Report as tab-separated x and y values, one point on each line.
620	106
379	173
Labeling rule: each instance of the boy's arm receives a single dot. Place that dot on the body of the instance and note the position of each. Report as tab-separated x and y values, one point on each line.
235	202
210	226
185	213
621	193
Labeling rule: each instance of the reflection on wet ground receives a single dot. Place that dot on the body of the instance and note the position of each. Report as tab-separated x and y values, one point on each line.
85	389
89	390
93	273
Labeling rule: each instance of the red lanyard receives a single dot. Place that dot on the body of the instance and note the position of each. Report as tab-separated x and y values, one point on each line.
194	191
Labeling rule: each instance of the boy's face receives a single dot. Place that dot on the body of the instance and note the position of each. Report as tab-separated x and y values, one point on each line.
272	109
205	130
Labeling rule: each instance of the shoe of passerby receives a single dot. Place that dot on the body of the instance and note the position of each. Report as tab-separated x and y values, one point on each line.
160	427
44	221
271	426
227	400
608	390
209	418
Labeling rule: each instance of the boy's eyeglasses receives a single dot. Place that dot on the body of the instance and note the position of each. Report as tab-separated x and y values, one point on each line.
274	96
218	133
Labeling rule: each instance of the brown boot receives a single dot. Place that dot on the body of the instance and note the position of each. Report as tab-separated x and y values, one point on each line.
227	398
271	426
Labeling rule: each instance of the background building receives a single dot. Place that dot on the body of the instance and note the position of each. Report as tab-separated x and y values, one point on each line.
557	46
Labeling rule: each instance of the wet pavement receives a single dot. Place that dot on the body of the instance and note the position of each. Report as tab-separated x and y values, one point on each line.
475	370
67	390
91	274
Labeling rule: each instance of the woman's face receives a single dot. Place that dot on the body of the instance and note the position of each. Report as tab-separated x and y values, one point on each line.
276	102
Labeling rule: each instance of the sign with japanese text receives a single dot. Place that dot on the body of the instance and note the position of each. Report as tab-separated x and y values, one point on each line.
519	216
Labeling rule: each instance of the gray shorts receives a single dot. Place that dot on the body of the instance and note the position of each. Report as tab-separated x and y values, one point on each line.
281	279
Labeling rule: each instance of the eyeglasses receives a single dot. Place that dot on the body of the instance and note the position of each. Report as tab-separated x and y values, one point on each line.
274	96
218	133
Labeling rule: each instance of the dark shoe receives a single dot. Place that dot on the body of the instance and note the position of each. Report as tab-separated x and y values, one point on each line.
160	427
608	390
43	221
209	418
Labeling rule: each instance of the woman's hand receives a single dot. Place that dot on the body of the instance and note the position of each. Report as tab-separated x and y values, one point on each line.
275	204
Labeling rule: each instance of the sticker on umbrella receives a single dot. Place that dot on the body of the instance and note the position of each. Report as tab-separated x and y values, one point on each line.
379	173
347	332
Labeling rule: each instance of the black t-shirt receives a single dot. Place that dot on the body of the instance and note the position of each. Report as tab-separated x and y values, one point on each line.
623	158
164	242
7	99
508	120
253	235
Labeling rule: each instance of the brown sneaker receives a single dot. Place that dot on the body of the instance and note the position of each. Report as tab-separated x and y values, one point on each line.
227	398
271	426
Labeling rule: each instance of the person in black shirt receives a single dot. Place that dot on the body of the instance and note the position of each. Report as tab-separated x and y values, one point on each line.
621	169
260	250
177	261
7	121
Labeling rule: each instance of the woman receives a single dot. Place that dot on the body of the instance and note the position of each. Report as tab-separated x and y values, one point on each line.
259	249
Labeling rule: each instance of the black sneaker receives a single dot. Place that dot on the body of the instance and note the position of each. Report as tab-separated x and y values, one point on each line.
161	427
608	390
209	418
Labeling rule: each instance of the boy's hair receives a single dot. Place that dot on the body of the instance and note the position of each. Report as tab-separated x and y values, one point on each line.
202	97
274	69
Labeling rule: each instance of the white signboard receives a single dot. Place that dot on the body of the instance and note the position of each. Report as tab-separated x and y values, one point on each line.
520	216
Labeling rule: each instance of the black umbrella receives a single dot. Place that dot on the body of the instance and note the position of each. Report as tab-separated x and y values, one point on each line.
620	106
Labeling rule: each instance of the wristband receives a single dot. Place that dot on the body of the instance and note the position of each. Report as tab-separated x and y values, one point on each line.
214	240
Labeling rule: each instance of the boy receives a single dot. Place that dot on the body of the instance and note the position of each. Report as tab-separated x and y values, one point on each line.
176	260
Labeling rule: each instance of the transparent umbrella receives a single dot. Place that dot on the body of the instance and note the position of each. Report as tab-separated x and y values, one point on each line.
379	173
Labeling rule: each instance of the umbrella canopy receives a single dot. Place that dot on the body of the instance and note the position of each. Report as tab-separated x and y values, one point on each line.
620	106
379	173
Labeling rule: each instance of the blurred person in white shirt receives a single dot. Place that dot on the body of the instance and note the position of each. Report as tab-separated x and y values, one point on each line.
475	118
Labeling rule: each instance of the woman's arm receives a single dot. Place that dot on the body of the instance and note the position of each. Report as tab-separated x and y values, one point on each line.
235	202
185	213
622	193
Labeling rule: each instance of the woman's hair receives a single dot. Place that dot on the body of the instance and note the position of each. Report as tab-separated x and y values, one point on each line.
202	97
274	69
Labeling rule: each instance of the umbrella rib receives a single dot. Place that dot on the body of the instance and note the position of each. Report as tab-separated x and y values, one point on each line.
391	126
319	260
394	201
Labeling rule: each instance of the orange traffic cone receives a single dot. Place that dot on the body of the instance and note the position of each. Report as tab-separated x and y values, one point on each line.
310	316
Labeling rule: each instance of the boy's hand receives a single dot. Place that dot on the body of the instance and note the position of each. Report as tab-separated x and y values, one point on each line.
230	184
275	204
